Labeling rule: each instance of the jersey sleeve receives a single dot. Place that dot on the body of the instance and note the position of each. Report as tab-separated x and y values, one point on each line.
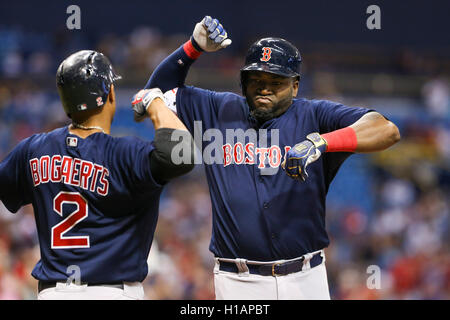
133	158
333	116
13	178
194	104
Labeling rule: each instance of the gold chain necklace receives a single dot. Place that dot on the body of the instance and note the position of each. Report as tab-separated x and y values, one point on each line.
79	126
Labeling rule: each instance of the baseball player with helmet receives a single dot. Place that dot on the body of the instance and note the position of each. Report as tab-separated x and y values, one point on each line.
95	197
268	233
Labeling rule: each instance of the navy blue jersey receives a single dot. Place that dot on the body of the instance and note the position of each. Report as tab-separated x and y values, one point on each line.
94	199
262	216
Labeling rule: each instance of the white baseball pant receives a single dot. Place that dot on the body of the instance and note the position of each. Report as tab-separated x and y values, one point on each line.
308	284
63	291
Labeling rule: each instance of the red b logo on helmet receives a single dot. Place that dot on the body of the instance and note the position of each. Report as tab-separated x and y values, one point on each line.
266	54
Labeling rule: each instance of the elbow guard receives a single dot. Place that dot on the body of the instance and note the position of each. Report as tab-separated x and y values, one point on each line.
171	158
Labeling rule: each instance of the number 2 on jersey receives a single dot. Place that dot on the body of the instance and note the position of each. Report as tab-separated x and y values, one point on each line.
59	241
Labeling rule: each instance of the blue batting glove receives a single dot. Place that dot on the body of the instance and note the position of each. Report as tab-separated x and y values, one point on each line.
302	154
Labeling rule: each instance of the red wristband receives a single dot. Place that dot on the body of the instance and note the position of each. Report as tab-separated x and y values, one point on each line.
190	50
342	140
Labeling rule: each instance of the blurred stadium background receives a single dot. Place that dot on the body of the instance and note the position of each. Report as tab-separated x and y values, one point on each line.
390	209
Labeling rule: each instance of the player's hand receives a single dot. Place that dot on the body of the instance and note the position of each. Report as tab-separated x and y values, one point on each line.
142	100
210	35
302	154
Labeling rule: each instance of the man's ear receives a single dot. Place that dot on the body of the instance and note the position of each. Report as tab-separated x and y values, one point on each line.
112	95
295	86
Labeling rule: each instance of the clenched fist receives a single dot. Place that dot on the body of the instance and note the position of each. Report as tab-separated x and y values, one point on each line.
210	35
302	154
142	100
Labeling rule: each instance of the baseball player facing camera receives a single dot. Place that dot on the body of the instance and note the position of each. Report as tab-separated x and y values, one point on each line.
268	233
95	197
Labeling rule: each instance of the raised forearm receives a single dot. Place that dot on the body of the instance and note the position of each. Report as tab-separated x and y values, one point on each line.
163	117
172	71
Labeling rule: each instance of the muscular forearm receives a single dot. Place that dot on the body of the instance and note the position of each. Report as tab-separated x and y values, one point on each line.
375	133
371	133
163	117
172	72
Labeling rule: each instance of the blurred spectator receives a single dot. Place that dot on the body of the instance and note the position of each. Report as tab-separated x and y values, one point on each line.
39	63
436	93
12	64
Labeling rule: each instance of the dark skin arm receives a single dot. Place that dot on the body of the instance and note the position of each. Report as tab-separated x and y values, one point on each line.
375	133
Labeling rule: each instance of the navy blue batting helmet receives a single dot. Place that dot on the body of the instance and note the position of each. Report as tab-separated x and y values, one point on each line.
272	55
84	81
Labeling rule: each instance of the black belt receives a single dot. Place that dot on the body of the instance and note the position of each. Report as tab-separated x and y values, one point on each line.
273	269
42	285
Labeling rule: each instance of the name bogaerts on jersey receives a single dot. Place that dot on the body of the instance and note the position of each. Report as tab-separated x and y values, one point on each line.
72	171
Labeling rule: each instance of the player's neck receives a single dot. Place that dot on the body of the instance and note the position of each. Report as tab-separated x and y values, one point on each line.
85	124
84	129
